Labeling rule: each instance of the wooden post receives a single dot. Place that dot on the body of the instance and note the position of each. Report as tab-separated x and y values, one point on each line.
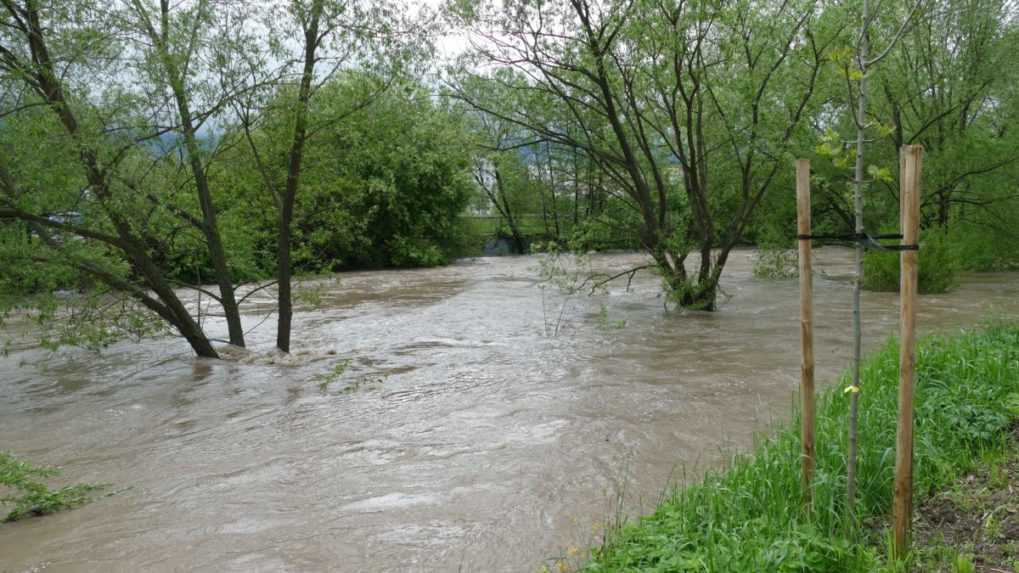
912	161
806	321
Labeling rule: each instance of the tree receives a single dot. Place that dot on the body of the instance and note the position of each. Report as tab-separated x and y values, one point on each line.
334	35
175	41
55	57
652	93
384	187
489	173
948	88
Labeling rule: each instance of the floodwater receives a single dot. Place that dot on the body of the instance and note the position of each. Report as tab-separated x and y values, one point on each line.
466	434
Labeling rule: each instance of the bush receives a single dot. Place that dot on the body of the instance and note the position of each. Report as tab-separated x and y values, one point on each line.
34	497
984	247
776	264
939	266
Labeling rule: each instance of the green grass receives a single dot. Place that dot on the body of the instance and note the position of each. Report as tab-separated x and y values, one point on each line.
30	497
751	516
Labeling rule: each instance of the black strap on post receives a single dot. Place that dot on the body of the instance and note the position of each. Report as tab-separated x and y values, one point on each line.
868	241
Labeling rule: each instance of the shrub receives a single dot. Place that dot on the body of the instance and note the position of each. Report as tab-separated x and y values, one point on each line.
776	264
985	247
939	266
34	497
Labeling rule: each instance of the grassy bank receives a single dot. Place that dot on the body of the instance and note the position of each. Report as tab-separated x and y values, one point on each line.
751	515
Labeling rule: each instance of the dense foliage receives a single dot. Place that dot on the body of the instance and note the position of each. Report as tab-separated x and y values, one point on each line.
939	265
385	187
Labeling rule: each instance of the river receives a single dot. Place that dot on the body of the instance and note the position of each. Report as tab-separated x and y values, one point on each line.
464	435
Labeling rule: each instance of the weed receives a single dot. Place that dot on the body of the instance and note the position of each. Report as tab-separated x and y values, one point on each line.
339	369
963	564
605	323
365	382
939	266
33	497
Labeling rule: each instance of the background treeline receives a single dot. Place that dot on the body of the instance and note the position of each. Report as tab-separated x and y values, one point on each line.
949	84
386	187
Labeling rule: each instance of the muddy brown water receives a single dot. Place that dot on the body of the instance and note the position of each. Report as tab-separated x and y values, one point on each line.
462	437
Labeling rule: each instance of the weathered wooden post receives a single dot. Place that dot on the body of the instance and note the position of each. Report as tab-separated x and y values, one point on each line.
912	160
806	320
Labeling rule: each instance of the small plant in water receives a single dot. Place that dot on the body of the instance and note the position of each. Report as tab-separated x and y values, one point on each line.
605	323
776	264
31	497
963	564
333	375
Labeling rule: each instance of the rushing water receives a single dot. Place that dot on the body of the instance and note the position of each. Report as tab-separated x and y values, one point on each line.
462	436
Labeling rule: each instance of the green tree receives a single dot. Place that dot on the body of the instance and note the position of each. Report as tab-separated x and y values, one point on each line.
335	35
80	164
384	187
652	93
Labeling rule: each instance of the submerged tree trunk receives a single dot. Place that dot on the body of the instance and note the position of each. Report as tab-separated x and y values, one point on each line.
495	190
209	224
210	228
175	312
518	237
295	160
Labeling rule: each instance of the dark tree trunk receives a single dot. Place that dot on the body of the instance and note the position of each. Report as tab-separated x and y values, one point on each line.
552	192
209	223
944	207
210	228
294	163
497	195
284	275
518	237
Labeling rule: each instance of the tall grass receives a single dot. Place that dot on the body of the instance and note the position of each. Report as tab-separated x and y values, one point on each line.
751	516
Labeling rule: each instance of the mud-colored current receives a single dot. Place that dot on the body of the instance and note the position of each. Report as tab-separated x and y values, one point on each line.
463	435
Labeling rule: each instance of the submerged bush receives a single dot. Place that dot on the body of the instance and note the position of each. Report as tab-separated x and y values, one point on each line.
776	264
752	516
32	497
939	266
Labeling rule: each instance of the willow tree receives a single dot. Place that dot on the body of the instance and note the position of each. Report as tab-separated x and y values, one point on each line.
108	91
175	43
688	108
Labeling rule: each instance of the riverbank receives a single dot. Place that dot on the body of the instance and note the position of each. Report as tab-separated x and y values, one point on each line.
751	516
